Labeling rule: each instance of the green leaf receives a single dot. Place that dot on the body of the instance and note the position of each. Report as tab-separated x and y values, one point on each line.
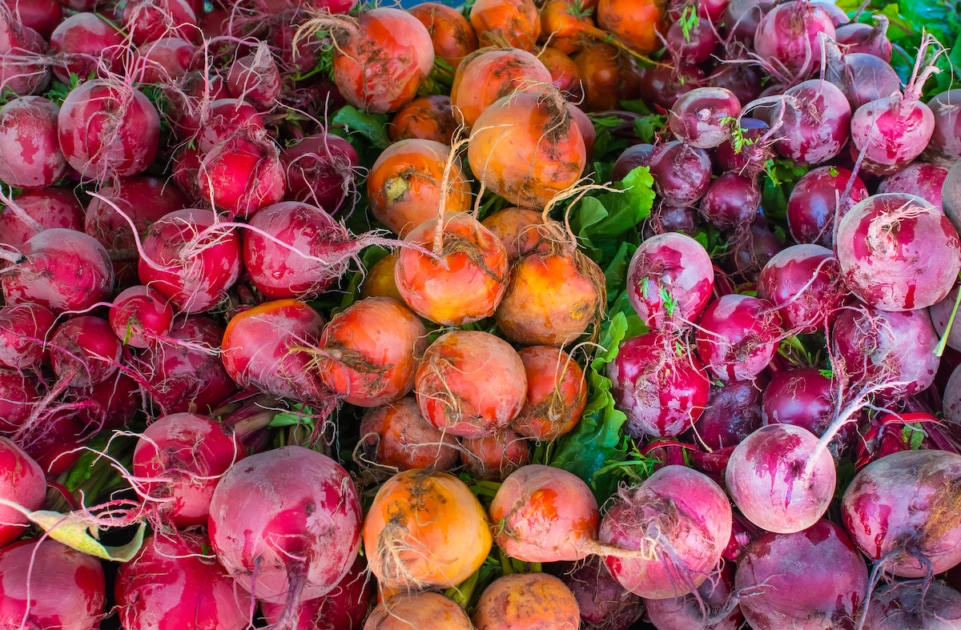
78	531
913	435
373	127
648	127
597	442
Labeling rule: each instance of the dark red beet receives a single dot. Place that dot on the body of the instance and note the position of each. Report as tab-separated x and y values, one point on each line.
740	78
813	203
805	398
750	157
733	412
902	510
731	201
787	37
320	170
808	580
663	83
816	123
632	157
913	604
861	38
604	604
687	613
681	173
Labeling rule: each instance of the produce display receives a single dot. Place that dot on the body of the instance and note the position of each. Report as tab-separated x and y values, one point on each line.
519	314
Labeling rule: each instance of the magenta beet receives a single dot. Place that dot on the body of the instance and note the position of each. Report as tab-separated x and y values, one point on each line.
890	352
66	588
37	210
23	330
172	584
898	252
670	279
661	388
344	608
320	170
738	336
902	511
30	154
774	481
179	459
808	580
184	373
816	122
62	270
23	483
804	282
190	260
285	524
681	555
702	116
108	131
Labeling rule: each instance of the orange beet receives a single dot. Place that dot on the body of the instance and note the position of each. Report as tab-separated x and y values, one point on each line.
517	229
608	75
552	299
381	61
527	148
397	435
470	383
564	26
545	514
556	394
633	22
468	281
450	32
404	184
368	352
380	279
565	75
425	529
527	601
428	118
514	23
423	611
489	74
495	456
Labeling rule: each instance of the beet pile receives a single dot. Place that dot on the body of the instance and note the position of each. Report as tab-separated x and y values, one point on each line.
607	314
